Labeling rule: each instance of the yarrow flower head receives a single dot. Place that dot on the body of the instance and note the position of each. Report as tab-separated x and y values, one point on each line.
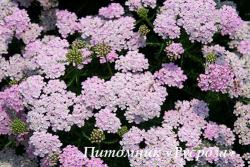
114	10
43	143
67	22
18	21
11	100
139	4
217	78
230	22
133	61
154	138
72	157
188	118
132	138
131	92
220	134
95	162
166	26
174	51
98	31
46	102
5	123
198	18
49	54
241	125
170	75
107	121
244	47
110	57
63	73
31	88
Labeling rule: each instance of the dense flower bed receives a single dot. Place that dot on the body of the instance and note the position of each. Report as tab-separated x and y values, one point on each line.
142	75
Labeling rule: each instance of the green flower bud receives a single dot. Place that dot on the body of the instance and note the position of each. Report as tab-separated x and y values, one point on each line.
144	30
79	44
13	82
168	42
102	49
211	58
122	130
18	126
74	56
53	159
97	136
143	12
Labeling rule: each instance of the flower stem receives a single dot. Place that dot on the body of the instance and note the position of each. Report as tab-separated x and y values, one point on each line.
86	136
108	65
111	142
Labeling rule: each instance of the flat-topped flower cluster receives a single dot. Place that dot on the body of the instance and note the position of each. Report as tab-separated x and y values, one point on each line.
137	75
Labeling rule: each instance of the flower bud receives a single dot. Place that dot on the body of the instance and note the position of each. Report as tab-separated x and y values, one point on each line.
97	136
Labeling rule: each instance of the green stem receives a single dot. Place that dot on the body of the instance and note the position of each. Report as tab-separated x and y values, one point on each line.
181	61
8	144
108	65
111	142
69	72
148	22
86	136
77	77
138	21
154	43
99	146
162	47
70	82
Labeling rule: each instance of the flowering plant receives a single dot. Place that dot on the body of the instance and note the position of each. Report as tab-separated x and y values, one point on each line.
171	76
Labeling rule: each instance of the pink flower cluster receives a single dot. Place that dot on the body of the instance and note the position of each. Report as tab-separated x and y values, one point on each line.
174	51
230	21
90	80
72	157
133	62
101	31
217	78
49	55
244	47
114	10
107	121
129	92
155	138
242	123
67	23
197	18
11	105
16	22
43	143
187	118
170	75
137	4
45	111
239	67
